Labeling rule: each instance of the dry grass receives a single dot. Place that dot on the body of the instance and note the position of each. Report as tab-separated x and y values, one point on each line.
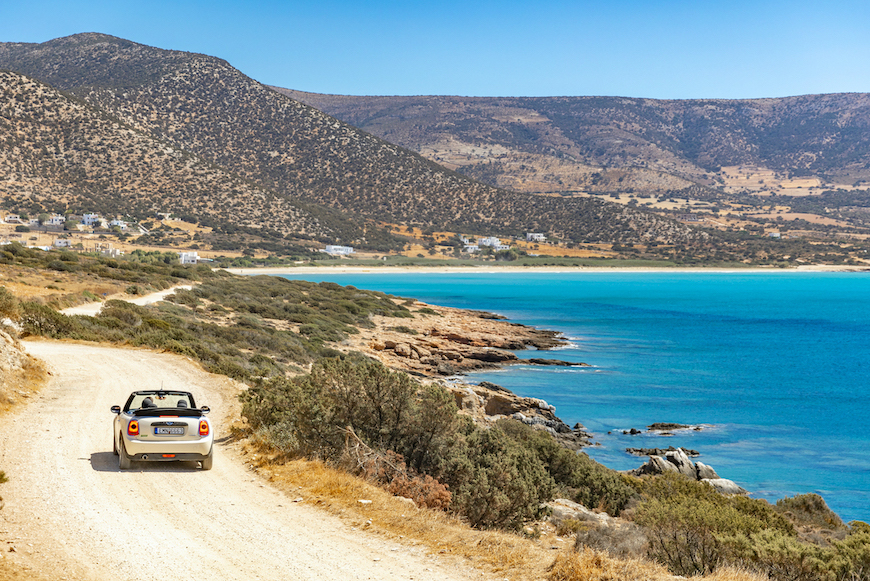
592	565
511	556
506	555
735	574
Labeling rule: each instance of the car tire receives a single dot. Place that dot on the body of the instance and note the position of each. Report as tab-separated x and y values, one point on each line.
207	461
124	463
114	447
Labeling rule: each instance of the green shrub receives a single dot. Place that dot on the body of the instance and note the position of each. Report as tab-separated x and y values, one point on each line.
402	329
497	482
685	522
578	477
809	510
42	320
10	306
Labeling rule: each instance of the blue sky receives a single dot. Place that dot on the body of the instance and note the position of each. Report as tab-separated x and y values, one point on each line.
667	49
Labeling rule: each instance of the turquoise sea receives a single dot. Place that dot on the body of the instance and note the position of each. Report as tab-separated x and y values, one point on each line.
776	365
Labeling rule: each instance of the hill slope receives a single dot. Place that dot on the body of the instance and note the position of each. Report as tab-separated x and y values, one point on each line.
57	151
202	105
561	143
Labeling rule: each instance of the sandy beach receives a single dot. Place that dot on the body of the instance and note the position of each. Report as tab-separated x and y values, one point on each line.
490	269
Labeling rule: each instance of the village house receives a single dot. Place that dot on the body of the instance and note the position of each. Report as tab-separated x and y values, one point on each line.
335	250
493	243
119	223
91	220
535	237
188	257
62	243
56	220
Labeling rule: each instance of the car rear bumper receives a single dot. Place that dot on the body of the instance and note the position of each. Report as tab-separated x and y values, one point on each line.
164	457
167	451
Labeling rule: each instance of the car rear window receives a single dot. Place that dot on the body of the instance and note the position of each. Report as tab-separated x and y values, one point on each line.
163	400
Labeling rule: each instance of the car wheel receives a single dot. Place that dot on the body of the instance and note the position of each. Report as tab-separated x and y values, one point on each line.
207	461
124	463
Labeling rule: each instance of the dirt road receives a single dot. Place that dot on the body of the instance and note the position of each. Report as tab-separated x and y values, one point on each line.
71	514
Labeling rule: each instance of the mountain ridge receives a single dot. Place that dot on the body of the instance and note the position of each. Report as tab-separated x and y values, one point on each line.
690	138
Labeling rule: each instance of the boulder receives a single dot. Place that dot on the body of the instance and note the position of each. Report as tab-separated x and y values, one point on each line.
499	405
466	399
684	466
491	356
445	369
656	465
564	509
725	486
705	472
420	351
402	350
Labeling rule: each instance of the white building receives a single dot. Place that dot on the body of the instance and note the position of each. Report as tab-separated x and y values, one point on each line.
119	223
472	248
112	252
493	243
13	219
188	257
535	237
62	243
91	220
335	250
56	220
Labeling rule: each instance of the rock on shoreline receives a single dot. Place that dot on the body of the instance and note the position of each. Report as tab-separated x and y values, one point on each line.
677	460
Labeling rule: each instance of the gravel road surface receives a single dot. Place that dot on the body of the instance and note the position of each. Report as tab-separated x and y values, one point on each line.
71	514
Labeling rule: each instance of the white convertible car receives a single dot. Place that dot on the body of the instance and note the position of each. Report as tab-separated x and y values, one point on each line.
162	426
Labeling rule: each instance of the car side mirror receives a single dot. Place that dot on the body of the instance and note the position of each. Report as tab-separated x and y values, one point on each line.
205	409
116	409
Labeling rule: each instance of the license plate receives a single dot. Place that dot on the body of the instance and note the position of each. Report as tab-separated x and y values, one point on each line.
169	431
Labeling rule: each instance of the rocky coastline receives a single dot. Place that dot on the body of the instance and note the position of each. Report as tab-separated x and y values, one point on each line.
441	344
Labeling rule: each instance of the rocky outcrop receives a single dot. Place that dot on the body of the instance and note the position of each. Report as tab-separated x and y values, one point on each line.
440	341
563	509
725	486
677	460
705	472
489	402
660	451
555	362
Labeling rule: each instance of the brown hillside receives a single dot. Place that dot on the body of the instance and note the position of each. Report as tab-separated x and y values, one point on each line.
59	153
202	105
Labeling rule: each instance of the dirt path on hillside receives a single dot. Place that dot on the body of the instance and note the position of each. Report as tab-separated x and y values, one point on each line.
71	514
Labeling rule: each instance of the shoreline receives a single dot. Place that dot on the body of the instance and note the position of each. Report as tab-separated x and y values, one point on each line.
490	269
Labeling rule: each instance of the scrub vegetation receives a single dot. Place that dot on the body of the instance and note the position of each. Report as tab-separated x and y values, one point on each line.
310	403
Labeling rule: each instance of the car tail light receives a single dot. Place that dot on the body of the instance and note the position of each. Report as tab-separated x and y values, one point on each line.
203	428
133	428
